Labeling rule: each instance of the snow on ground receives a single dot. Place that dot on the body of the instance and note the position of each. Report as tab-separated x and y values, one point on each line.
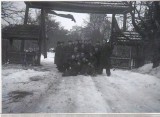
147	69
17	80
125	91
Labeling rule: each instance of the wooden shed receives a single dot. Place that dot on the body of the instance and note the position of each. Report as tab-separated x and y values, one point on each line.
128	48
18	33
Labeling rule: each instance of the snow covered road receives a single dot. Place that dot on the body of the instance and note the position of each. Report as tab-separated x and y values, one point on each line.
124	91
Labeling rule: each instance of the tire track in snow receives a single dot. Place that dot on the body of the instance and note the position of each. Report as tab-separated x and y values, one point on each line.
89	99
59	98
124	93
73	95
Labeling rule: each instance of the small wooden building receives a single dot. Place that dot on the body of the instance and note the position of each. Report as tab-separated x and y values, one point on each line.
17	34
128	53
128	50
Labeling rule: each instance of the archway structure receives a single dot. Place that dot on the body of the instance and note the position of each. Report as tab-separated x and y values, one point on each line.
48	7
99	7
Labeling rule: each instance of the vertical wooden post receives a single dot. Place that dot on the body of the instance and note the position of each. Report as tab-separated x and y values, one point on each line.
26	15
124	22
42	39
112	26
136	58
25	22
130	63
43	15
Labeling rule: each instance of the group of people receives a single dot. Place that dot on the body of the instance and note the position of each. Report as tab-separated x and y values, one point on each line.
83	58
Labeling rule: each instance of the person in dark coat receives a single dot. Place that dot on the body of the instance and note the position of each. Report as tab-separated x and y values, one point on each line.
57	52
82	48
68	51
78	67
84	65
59	56
60	59
72	45
97	55
76	43
85	49
79	45
73	69
88	47
91	64
106	51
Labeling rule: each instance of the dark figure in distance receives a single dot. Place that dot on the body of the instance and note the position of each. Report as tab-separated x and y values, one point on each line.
106	52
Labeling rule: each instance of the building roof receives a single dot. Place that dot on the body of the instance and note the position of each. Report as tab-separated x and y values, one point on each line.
128	38
21	32
125	37
100	7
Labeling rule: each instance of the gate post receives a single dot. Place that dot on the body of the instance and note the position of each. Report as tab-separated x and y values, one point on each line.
25	22
43	33
112	28
124	21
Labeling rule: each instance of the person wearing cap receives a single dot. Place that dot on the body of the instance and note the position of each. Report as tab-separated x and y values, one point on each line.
82	48
86	48
75	50
72	71
84	65
58	55
57	52
61	57
78	67
68	51
91	64
106	51
68	71
75	43
90	46
97	54
79	43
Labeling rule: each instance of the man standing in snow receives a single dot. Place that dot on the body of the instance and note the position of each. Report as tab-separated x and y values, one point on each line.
59	56
57	52
106	52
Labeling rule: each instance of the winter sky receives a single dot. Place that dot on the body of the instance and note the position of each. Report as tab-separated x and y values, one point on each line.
66	23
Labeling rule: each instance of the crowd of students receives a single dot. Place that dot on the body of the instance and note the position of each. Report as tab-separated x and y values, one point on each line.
83	58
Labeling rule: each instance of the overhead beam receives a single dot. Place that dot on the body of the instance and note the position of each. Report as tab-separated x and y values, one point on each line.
82	7
112	27
26	15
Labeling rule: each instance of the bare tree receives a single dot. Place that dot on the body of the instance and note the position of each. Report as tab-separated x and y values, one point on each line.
9	12
145	17
99	27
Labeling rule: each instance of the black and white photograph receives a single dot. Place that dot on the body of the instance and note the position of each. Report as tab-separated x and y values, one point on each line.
80	57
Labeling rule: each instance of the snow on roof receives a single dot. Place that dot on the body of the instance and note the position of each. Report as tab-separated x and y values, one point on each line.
27	32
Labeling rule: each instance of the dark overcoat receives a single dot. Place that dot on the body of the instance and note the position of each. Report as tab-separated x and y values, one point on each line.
106	52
